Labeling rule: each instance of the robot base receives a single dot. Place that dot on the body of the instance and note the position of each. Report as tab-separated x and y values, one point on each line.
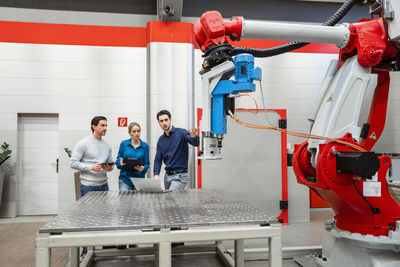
342	248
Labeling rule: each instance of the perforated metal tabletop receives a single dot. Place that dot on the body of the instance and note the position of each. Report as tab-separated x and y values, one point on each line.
134	210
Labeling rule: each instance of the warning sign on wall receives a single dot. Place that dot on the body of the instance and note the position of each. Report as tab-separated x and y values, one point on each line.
122	121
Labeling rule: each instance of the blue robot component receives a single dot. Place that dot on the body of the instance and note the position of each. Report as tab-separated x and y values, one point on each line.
245	74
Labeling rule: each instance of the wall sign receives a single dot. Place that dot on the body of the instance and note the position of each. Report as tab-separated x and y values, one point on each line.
122	121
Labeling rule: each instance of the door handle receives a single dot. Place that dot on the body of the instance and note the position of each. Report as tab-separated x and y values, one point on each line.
57	163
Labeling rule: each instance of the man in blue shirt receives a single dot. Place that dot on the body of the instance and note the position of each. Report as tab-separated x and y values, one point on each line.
172	148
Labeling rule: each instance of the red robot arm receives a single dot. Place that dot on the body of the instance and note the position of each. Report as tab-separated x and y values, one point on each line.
343	190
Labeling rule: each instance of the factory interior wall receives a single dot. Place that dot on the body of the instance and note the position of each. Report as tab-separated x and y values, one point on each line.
80	80
78	72
76	82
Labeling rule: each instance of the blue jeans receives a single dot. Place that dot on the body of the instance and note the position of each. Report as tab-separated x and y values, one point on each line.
176	181
86	188
125	187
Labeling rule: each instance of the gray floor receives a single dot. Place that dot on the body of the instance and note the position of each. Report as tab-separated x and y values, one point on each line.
17	244
177	261
183	261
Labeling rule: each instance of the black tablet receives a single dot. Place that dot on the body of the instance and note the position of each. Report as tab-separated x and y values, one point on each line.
130	164
107	164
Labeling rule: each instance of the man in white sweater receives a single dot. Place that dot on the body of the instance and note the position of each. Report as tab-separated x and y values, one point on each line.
93	158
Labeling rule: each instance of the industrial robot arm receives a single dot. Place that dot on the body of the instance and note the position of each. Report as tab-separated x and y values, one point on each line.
334	170
215	36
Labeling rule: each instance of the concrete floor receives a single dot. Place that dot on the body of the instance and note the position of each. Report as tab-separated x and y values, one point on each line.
183	261
17	244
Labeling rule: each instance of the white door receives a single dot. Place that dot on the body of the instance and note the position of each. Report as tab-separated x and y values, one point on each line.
37	164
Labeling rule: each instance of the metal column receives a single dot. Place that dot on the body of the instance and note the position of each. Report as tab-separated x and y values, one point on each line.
239	253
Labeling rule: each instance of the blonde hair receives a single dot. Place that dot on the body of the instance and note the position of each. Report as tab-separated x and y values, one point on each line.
132	124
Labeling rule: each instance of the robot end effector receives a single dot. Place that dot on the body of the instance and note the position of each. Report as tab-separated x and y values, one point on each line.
219	93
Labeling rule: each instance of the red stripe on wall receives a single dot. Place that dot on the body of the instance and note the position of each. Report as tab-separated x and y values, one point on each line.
156	31
170	32
44	33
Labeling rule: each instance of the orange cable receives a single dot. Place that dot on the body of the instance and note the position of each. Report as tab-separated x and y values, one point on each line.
296	133
255	102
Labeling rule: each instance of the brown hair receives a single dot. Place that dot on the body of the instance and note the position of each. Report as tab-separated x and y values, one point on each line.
163	112
95	121
133	124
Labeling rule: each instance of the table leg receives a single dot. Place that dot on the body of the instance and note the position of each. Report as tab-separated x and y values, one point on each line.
239	253
164	254
275	251
74	257
43	257
157	254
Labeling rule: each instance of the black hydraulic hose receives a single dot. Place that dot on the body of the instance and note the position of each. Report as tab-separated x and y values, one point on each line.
269	52
341	12
357	187
273	51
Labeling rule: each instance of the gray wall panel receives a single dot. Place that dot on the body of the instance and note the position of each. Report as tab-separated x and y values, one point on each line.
250	168
137	13
281	10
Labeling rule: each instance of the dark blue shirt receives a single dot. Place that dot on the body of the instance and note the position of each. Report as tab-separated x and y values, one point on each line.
126	150
173	150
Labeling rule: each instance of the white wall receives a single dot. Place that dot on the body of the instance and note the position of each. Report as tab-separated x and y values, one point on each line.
77	82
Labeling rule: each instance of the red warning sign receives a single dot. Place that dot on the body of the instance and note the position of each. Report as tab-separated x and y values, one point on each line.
122	121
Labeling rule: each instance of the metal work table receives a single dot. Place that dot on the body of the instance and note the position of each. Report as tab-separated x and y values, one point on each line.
115	218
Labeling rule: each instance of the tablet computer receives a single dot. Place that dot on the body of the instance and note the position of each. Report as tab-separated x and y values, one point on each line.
130	164
107	164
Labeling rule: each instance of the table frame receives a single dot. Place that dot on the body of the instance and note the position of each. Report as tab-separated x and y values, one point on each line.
162	239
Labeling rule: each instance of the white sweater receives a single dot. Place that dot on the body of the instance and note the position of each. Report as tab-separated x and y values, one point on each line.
87	153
